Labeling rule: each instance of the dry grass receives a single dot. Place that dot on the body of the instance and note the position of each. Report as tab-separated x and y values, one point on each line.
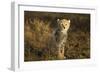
37	34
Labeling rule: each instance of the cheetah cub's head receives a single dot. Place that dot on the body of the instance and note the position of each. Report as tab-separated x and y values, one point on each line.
63	24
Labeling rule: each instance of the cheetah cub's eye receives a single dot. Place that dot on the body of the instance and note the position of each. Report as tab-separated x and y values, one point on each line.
65	24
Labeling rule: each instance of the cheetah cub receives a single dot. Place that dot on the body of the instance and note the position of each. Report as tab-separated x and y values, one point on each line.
61	37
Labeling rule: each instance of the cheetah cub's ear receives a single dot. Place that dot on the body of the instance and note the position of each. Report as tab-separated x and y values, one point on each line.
69	21
58	20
